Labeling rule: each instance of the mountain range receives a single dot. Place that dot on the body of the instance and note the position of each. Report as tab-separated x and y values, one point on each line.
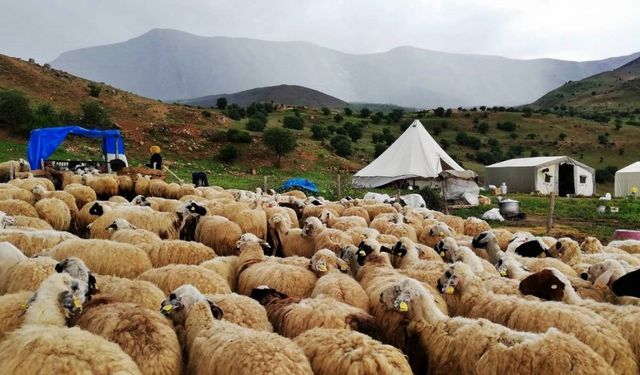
618	89
169	64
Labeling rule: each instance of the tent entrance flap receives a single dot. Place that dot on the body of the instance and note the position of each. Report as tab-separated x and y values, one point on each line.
566	180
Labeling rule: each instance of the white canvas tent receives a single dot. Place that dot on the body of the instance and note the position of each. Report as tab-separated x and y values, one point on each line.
626	179
545	174
414	155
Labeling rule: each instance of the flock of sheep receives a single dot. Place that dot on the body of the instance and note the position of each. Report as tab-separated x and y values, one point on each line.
108	275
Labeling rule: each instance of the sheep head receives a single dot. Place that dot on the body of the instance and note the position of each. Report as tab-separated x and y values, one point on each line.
400	295
176	306
566	249
140	200
97	209
401	248
120	224
194	209
441	230
249	239
6	220
38	190
507	266
446	248
325	260
365	249
79	270
326	215
544	284
483	239
62	290
312	226
591	245
603	273
455	278
266	295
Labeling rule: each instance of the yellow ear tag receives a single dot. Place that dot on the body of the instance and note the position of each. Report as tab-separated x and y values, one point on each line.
543	255
24	306
322	268
441	234
344	267
442	253
503	273
403	307
167	308
76	302
449	290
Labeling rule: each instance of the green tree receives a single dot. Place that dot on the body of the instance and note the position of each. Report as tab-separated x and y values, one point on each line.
326	111
342	145
562	136
92	114
94	89
439	112
483	128
365	112
221	103
44	115
228	153
255	125
15	111
348	111
281	141
379	148
353	131
293	122
376	118
338	117
395	115
319	132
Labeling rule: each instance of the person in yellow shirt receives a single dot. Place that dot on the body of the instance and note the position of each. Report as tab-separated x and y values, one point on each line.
156	159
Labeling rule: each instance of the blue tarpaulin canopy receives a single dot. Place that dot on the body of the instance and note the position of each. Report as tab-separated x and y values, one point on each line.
302	183
45	141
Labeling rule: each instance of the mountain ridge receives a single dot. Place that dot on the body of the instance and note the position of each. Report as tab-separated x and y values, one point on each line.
167	64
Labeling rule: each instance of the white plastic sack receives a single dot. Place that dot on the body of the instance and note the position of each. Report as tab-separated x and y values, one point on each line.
414	200
471	198
378	197
493	214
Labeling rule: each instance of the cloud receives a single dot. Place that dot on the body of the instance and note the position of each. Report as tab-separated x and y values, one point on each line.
569	29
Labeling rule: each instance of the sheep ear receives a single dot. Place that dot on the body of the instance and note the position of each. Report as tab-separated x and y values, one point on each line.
215	310
384	249
59	268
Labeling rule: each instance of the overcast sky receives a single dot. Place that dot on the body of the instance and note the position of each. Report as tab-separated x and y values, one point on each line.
566	29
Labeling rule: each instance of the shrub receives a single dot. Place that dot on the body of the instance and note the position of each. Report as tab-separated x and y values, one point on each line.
338	117
379	148
431	198
44	115
395	115
255	125
606	174
94	89
228	153
342	145
14	109
603	139
319	132
507	126
234	114
444	144
221	103
348	112
293	122
439	112
206	114
94	115
483	128
279	140
326	111
365	112
238	136
562	136
353	131
376	118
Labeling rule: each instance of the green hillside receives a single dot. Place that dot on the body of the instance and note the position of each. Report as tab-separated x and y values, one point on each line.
616	90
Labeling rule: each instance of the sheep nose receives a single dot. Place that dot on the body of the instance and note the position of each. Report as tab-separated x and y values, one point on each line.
439	285
584	276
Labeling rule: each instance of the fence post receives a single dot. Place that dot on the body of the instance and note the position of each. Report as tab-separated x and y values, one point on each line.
264	185
552	206
339	188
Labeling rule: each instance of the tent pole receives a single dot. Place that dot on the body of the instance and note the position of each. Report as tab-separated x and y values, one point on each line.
552	206
338	187
444	196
